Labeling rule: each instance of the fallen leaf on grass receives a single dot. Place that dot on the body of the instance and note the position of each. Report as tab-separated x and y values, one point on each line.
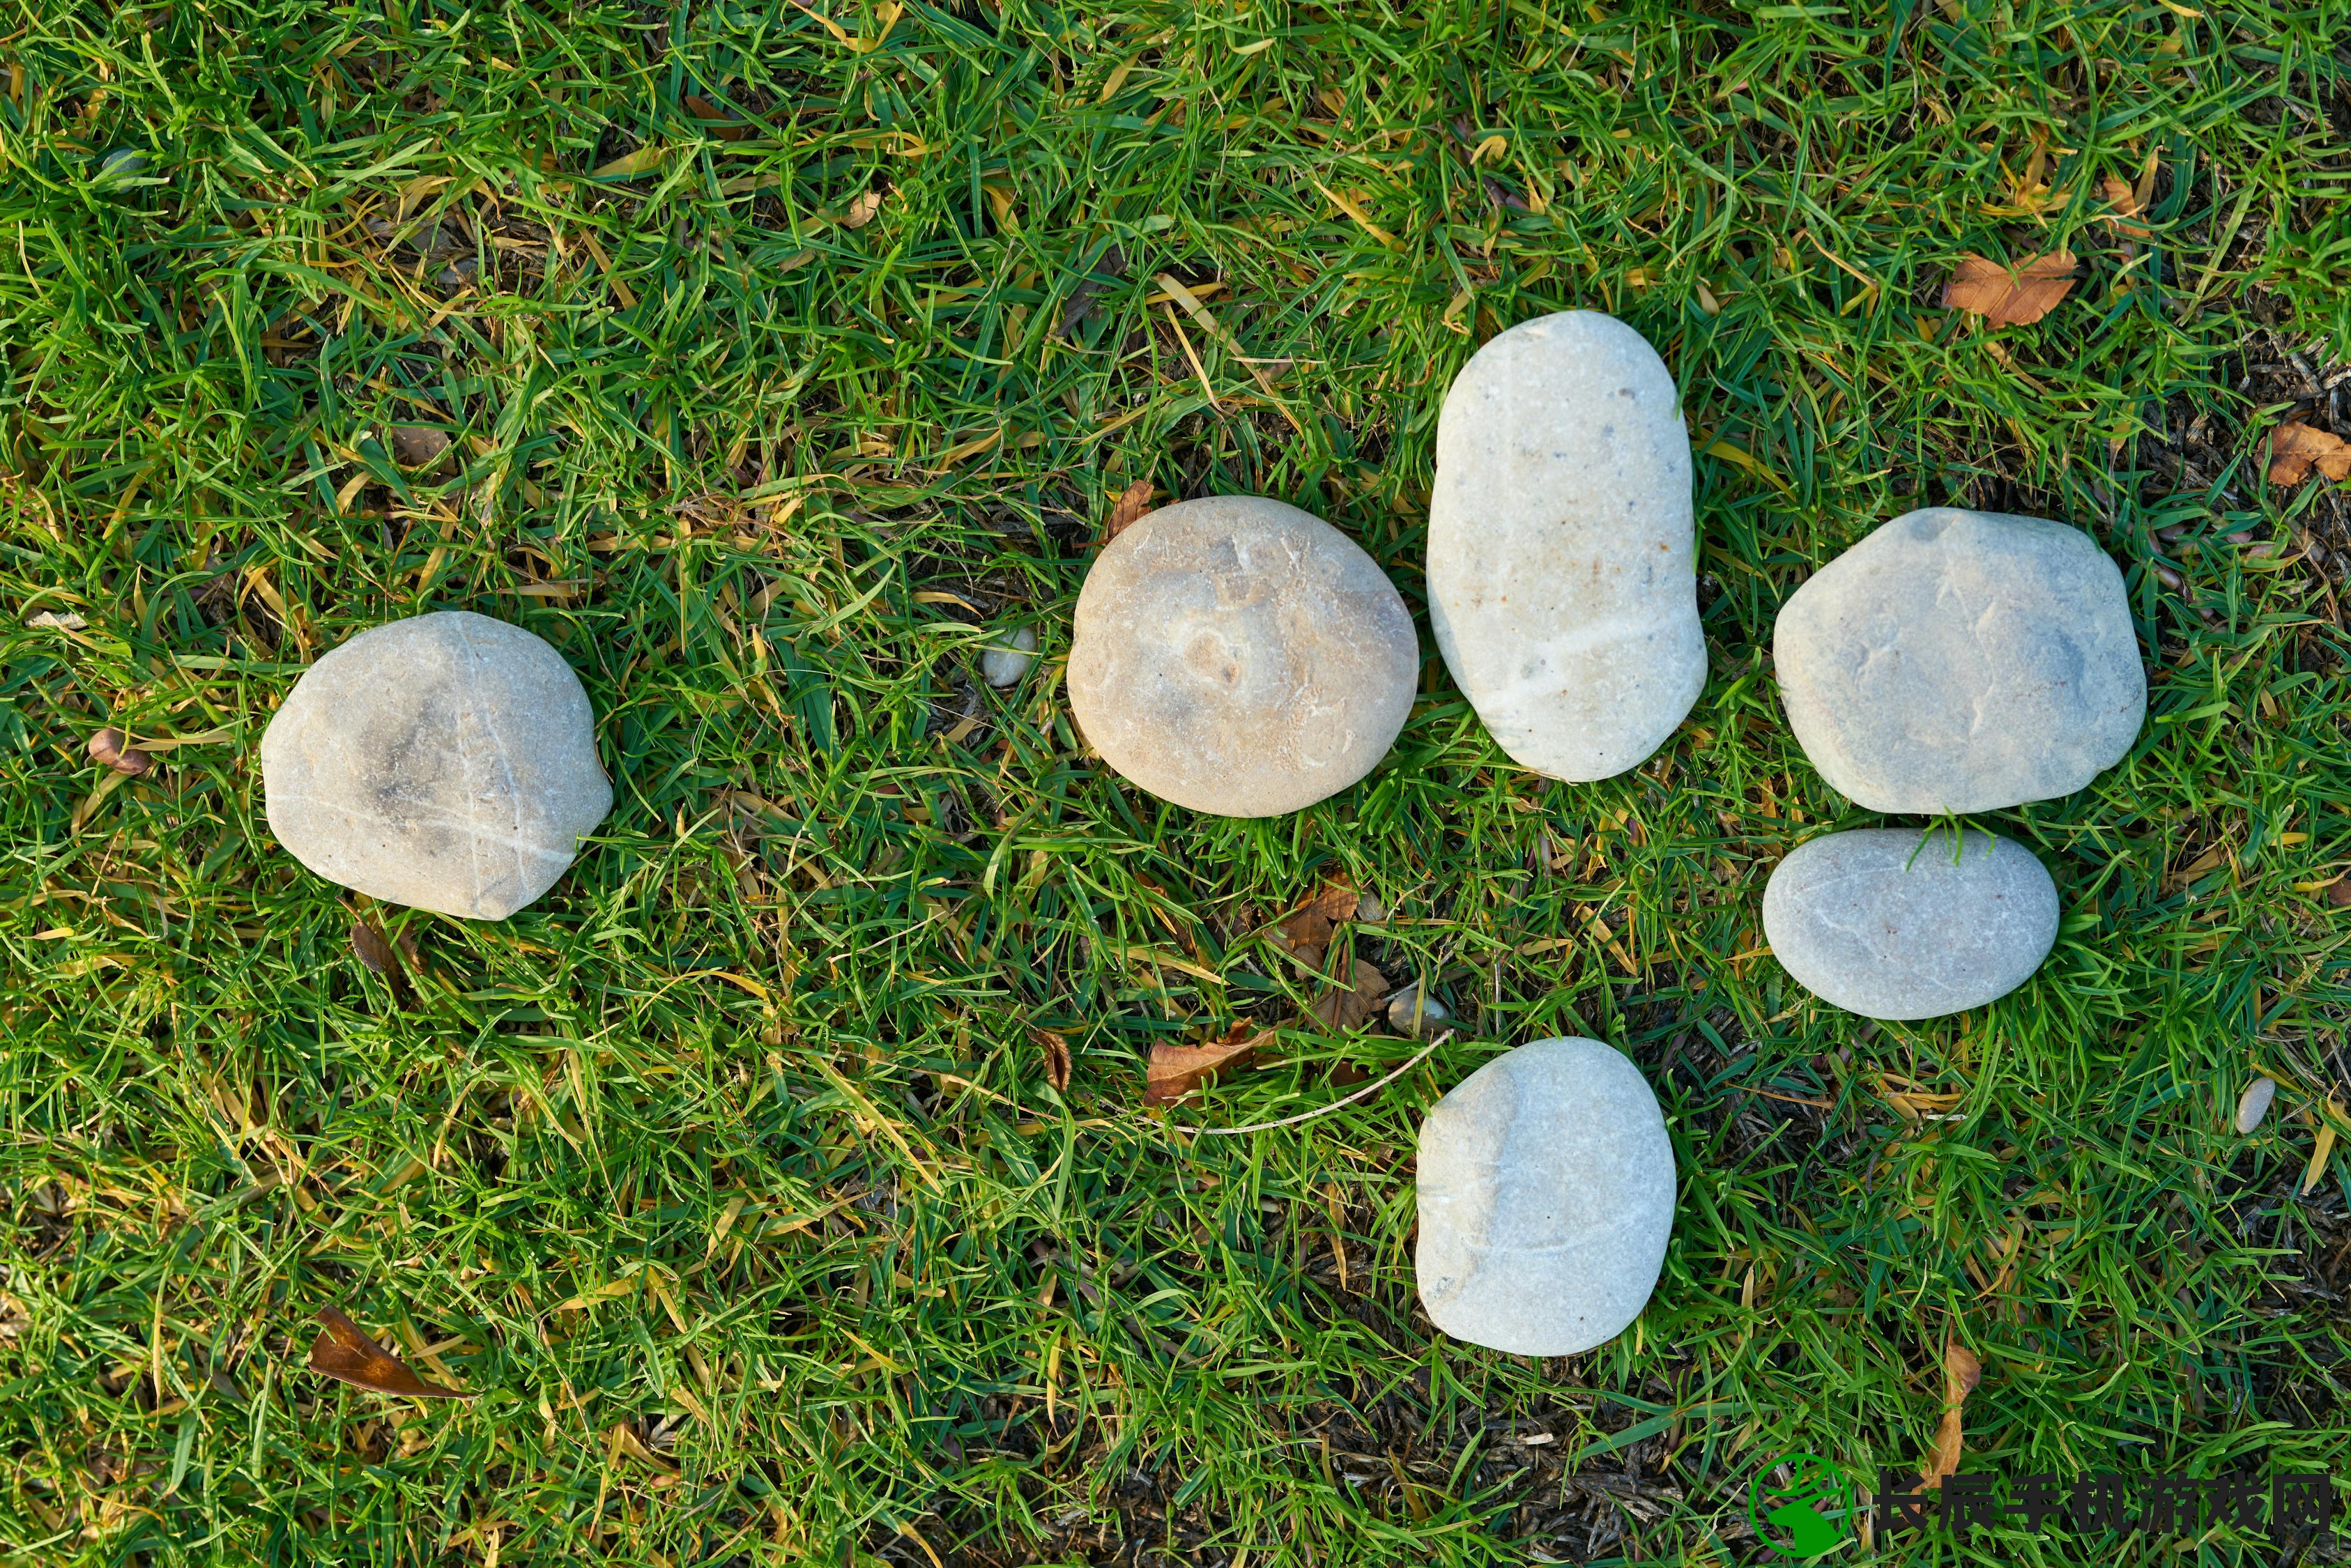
725	130
2318	1155
1961	1373
1352	1004
345	1353
2297	448
629	166
1057	1056
69	621
2010	297
1306	930
2125	204
1133	502
1176	1070
110	747
624	1440
862	211
418	446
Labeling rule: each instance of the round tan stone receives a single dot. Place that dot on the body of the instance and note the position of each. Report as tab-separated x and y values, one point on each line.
1239	656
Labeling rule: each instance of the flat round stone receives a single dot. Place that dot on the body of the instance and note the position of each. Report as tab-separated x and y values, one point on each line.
1959	661
447	762
1562	579
1239	656
1545	1187
1889	923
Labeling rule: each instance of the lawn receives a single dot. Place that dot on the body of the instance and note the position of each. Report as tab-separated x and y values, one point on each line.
767	359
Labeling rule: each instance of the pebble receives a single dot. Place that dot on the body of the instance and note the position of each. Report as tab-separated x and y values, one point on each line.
1239	656
2255	1104
1545	1188
447	762
1958	661
1561	578
1413	1012
1008	657
1884	922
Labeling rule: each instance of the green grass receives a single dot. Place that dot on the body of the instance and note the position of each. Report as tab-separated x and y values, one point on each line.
729	1174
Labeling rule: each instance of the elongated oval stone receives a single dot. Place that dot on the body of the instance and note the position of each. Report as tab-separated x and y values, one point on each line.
1561	582
447	762
1891	924
1545	1186
1236	656
1959	661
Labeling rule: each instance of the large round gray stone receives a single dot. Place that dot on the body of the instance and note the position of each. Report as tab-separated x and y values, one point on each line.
1891	924
1960	662
447	762
1236	656
1561	579
1546	1193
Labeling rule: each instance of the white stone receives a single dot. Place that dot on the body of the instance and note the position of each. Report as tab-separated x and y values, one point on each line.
1961	662
1236	656
1890	924
2255	1104
1562	545
1545	1186
1006	658
447	762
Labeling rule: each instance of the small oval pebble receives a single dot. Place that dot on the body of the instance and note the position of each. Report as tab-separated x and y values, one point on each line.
1888	923
447	762
1236	656
2254	1104
1415	1012
1004	661
1561	578
1959	661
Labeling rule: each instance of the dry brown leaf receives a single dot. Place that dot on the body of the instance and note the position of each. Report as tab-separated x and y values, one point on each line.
2010	297
1306	930
1057	1056
862	211
1178	1070
2297	448
2316	1170
1961	1373
725	130
375	950
418	446
110	747
1352	1004
1133	502
343	1350
2125	204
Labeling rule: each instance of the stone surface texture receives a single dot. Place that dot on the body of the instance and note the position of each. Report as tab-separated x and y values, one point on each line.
1546	1194
1008	656
1959	661
1239	656
1561	578
1890	924
447	762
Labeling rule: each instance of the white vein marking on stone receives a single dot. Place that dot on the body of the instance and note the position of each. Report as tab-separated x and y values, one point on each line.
1590	634
497	743
470	827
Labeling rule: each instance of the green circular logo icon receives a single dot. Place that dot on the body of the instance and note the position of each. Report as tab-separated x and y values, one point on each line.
1802	1516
